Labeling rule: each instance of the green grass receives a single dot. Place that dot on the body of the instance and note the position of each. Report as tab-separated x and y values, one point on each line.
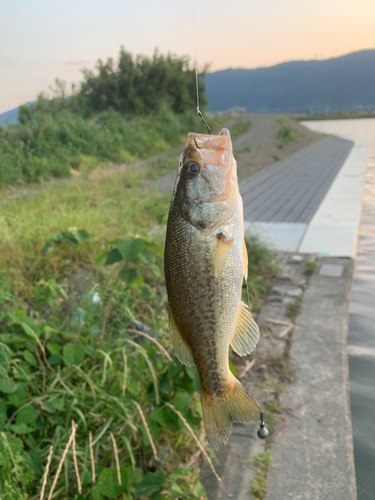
286	133
262	271
239	128
294	309
262	463
311	267
247	149
276	157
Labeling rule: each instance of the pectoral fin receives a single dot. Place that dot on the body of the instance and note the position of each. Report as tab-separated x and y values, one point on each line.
222	251
246	333
181	349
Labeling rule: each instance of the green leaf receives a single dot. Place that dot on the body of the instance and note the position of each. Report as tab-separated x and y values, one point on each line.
129	249
108	482
74	354
54	359
181	400
57	238
68	353
128	275
113	257
100	256
175	490
180	473
19	397
16	445
28	331
149	256
27	415
48	407
53	348
3	409
198	490
8	386
30	358
58	404
151	483
36	461
135	475
45	249
232	368
158	415
96	495
20	429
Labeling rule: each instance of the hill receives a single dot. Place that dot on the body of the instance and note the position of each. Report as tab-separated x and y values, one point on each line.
340	84
11	116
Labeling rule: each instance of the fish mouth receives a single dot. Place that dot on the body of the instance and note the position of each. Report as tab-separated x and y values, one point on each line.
221	141
211	149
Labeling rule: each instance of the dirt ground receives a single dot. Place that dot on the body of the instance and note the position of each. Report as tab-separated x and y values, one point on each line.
262	140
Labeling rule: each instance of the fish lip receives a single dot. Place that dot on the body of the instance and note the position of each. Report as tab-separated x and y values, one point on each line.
211	143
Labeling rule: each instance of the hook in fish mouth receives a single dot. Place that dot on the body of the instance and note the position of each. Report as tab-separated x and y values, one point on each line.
196	143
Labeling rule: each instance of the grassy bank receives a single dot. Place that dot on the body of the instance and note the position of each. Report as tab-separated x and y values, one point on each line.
70	353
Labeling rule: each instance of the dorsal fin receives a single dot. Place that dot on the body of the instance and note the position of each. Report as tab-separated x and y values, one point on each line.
246	333
181	349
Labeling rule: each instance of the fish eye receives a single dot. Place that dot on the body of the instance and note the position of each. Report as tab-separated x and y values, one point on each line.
192	169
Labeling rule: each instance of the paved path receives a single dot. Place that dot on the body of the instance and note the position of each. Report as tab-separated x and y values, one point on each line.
316	206
313	455
362	309
293	190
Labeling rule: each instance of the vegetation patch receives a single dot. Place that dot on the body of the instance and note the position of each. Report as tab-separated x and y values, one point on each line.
262	272
119	113
286	133
294	308
262	463
311	267
239	128
247	149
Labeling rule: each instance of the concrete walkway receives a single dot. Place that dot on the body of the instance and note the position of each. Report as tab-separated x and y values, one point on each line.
362	309
281	200
312	453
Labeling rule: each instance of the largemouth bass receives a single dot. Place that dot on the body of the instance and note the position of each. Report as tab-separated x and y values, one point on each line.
205	262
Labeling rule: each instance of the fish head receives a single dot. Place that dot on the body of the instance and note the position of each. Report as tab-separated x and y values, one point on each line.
208	170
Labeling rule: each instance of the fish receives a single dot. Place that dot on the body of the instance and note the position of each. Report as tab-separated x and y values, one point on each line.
205	261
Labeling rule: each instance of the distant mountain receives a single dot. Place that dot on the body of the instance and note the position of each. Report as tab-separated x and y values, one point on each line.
11	116
345	83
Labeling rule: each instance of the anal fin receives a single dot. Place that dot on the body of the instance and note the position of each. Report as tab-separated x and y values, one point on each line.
181	349
246	333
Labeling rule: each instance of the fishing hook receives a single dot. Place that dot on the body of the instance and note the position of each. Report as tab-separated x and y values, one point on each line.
199	113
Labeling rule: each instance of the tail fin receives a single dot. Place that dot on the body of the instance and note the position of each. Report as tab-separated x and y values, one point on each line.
234	405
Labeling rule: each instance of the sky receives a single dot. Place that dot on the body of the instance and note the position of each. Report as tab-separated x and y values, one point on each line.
44	39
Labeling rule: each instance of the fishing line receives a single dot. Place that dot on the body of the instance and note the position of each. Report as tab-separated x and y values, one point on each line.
199	113
262	432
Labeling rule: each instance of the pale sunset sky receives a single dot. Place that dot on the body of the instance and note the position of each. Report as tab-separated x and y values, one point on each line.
44	39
